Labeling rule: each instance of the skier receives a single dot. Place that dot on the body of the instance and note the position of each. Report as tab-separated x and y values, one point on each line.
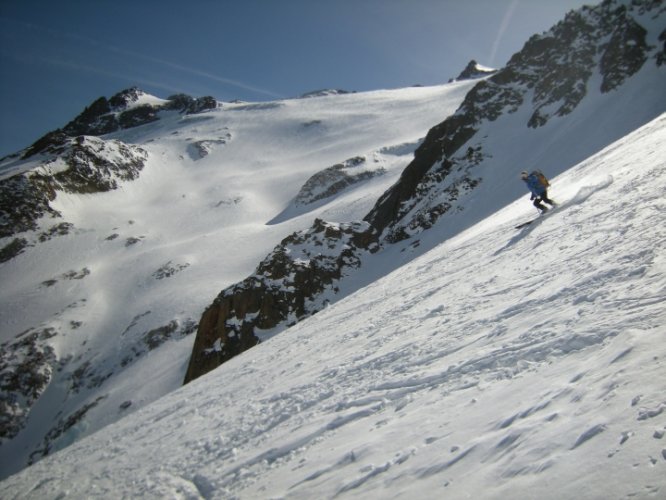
538	185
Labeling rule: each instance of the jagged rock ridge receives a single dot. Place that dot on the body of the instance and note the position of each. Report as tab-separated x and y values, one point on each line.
472	71
74	165
124	110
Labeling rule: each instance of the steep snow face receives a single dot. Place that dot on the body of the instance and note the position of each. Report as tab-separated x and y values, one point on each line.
99	297
502	363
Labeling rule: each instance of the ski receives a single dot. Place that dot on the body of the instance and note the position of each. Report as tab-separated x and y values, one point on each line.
552	209
520	226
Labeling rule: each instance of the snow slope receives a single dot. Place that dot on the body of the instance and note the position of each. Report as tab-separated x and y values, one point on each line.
142	262
503	363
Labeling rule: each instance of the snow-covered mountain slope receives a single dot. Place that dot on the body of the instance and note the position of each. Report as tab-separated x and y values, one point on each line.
502	363
102	289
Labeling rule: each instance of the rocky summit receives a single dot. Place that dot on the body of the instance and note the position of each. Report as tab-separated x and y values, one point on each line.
472	71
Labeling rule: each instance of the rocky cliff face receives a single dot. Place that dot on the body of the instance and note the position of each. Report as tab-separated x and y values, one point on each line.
73	165
295	281
550	76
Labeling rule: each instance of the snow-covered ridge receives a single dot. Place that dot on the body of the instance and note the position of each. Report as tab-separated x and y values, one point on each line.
126	109
500	364
324	93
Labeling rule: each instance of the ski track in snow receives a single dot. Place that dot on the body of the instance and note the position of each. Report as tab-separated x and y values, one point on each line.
521	365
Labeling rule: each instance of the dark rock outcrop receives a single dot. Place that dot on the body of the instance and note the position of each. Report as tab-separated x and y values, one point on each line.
93	165
26	366
61	427
324	93
661	56
94	120
74	165
152	339
190	105
625	54
23	200
335	179
293	282
12	249
202	148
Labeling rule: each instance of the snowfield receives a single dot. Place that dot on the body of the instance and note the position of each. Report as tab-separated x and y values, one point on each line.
503	363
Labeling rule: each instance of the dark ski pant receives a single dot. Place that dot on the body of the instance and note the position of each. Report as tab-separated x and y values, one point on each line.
541	198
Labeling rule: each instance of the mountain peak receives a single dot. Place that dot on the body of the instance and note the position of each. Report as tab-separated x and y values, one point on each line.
127	109
472	71
127	97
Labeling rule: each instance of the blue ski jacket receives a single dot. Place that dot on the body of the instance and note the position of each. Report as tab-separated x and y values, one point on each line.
534	185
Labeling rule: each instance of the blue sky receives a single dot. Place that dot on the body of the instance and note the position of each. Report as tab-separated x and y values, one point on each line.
57	56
